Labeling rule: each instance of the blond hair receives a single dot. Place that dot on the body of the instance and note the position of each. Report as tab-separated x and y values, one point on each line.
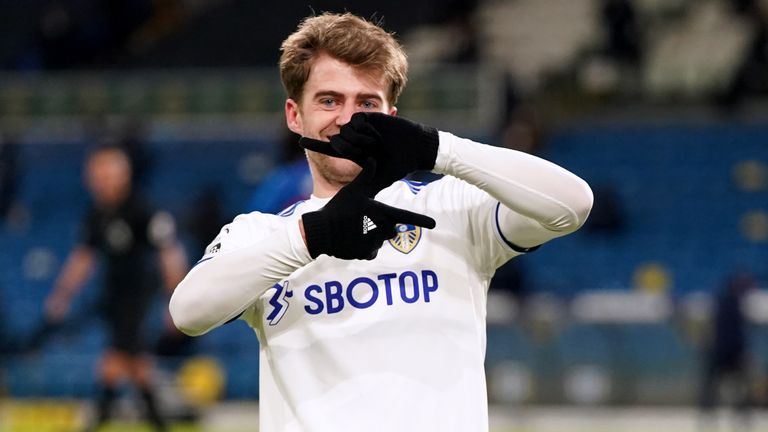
361	44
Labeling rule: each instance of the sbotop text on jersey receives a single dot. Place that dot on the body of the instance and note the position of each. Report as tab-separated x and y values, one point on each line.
361	293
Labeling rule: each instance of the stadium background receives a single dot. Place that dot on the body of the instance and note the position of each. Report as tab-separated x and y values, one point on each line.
661	105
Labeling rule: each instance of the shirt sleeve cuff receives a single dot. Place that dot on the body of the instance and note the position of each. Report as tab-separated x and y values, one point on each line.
444	150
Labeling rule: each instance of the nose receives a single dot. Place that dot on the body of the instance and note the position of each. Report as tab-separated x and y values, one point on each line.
345	114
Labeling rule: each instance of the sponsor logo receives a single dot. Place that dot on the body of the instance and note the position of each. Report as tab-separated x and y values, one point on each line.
363	292
333	296
279	303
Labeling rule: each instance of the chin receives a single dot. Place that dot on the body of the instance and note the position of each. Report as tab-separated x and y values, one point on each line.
336	170
344	171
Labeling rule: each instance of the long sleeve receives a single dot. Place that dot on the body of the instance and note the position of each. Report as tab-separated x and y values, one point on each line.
229	279
539	199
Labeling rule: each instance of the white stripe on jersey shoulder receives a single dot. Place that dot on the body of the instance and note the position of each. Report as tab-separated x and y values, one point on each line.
414	186
288	211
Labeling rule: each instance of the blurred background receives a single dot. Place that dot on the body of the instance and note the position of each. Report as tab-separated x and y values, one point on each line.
632	323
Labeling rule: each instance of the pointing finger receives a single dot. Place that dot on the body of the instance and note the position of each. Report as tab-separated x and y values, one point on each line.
408	217
323	147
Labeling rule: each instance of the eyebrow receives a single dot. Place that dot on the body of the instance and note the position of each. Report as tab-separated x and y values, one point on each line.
360	96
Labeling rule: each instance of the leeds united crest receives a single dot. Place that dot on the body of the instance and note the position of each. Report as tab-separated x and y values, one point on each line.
407	238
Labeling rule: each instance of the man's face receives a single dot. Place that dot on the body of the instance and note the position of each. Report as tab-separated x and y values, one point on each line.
333	92
108	176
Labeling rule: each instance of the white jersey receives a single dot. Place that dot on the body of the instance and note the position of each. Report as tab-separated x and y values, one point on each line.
392	344
347	344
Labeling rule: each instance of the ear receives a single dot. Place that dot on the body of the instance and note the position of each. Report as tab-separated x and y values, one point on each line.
293	117
393	111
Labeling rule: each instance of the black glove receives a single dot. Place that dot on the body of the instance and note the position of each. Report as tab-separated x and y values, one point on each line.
353	225
399	146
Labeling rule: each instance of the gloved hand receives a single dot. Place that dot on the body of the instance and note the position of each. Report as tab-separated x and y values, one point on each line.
399	146
353	225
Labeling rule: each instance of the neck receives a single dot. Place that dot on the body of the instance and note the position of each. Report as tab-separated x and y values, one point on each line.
114	202
323	187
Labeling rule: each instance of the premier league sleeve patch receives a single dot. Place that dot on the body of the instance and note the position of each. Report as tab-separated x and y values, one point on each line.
407	238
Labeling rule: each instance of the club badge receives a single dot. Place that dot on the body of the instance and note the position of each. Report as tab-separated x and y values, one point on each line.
407	238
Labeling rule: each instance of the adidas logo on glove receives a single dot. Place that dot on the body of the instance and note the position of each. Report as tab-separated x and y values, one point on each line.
368	225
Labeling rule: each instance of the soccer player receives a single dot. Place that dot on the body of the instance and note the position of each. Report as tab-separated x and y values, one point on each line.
134	240
368	299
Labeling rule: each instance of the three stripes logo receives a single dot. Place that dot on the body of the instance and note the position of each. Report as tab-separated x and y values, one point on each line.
368	225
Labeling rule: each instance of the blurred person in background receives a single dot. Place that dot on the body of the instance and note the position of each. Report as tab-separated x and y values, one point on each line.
372	317
287	183
727	356
134	241
128	135
523	129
